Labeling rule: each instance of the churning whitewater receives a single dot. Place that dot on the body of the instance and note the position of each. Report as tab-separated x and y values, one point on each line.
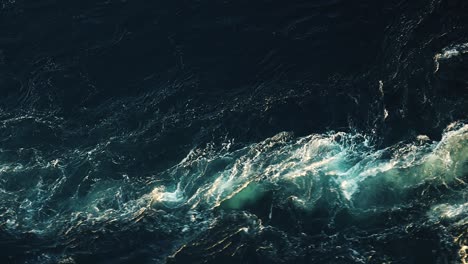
340	170
298	169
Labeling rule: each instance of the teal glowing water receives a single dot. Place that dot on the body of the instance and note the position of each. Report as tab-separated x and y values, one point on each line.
297	167
344	170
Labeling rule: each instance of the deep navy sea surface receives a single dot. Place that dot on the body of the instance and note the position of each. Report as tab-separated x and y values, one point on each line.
234	131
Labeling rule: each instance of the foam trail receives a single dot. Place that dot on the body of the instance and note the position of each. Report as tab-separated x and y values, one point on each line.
295	170
449	53
297	167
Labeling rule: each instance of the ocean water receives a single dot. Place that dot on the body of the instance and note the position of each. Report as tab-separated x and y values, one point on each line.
234	131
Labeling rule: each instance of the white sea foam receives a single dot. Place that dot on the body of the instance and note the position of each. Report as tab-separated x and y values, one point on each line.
449	53
296	170
296	167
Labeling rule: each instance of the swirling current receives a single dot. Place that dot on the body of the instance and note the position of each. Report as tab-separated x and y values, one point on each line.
319	131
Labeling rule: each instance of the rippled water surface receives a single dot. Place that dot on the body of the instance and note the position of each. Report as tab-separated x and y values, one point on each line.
234	131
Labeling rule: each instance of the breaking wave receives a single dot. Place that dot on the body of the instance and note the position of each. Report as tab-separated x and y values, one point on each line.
335	169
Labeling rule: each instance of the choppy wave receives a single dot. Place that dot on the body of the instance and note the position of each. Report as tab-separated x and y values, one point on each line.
48	196
297	167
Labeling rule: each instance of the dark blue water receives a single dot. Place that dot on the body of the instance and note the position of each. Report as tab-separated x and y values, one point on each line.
234	131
